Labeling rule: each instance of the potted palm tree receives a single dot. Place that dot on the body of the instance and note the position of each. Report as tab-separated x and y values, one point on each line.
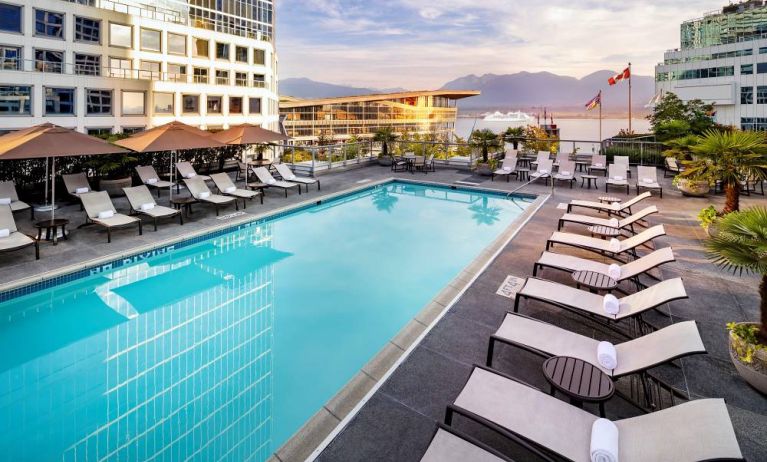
727	157
384	136
740	245
514	135
485	140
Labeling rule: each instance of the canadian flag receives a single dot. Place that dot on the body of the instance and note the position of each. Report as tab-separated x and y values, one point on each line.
625	75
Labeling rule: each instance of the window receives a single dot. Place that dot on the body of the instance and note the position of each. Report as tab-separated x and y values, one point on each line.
150	40
133	103
176	72
164	103
222	77
176	44
762	50
49	24
200	75
241	54
99	132
120	67
746	95
254	105
87	30
15	100
746	69
761	95
49	61
214	105
222	50
259	81
87	64
259	56
10	20
200	48
98	102
120	35
241	79
131	130
10	58
190	104
59	101
761	68
235	105
149	70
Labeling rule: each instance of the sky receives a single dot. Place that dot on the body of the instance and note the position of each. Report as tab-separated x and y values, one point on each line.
423	44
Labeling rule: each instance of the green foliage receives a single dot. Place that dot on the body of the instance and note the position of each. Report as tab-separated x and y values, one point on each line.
485	140
748	342
536	139
113	166
740	243
707	217
681	148
384	135
672	129
514	132
671	113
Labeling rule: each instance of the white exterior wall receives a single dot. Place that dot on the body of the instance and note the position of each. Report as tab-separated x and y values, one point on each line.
269	116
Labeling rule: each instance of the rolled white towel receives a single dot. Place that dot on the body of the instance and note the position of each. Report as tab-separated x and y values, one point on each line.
598	164
5	201
611	304
190	175
615	245
618	178
105	214
291	177
607	355
648	180
543	171
5	232
147	206
82	190
614	271
616	204
565	173
614	223
230	189
604	441
272	181
508	169
152	181
204	195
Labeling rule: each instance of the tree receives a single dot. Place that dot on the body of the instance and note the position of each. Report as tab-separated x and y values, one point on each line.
728	157
740	244
672	129
384	136
671	110
485	140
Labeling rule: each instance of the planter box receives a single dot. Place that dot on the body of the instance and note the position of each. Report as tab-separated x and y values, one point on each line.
115	187
694	188
751	374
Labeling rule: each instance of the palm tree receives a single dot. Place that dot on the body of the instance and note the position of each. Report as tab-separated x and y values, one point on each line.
384	201
384	136
740	244
483	214
484	139
729	157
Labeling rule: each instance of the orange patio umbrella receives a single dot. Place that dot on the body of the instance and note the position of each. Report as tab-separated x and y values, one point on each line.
247	134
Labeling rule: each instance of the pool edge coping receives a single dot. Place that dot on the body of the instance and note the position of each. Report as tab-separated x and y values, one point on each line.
321	425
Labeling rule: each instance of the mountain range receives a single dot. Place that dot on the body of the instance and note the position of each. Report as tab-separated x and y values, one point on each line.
522	90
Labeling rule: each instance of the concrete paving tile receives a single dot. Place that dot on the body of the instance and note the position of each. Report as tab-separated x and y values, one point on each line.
307	439
350	395
383	361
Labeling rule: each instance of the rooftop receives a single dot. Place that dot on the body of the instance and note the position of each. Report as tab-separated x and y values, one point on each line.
288	102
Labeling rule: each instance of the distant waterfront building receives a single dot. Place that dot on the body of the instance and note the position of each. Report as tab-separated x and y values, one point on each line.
722	60
422	112
124	65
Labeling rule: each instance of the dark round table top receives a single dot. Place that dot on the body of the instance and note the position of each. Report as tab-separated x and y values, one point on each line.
606	231
51	223
609	199
578	379
594	280
593	177
183	200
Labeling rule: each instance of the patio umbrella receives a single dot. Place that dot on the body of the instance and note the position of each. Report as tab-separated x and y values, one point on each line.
51	141
170	137
248	134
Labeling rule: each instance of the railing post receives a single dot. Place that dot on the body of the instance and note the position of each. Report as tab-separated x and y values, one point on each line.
314	158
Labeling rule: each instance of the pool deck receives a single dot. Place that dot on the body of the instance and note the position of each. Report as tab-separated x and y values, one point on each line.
399	418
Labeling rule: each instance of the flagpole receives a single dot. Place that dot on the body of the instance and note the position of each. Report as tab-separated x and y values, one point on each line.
630	97
600	120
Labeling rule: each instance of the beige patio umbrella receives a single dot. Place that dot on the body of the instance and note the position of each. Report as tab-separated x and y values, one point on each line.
51	141
171	137
248	134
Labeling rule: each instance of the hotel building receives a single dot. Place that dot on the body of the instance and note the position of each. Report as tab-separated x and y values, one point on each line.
422	112
722	60
121	66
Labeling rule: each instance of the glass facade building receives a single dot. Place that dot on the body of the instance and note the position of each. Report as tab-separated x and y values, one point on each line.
740	22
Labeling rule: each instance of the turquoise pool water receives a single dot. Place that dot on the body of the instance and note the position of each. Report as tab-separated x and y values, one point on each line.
220	350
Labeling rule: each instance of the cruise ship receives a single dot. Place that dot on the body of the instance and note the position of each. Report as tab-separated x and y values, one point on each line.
513	117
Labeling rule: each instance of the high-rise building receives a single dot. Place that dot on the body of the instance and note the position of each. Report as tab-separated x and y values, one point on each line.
124	65
722	60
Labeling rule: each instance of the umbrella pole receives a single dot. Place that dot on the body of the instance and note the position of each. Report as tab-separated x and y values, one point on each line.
171	176
47	173
53	197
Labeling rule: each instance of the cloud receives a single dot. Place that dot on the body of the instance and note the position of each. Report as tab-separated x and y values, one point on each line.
430	13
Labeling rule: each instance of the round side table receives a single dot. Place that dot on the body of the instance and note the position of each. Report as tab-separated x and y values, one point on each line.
604	231
578	380
51	228
594	281
589	179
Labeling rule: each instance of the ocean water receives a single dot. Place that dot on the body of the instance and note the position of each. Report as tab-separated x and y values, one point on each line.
570	129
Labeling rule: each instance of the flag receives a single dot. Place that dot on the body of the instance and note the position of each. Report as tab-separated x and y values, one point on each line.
625	75
655	100
596	101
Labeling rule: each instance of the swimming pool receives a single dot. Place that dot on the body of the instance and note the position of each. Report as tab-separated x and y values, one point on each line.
222	349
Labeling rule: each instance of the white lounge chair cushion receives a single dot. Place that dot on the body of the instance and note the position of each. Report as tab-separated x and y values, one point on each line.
159	211
147	206
614	271
616	204
614	223
204	195
5	201
543	171
605	440
618	178
105	214
611	304
607	355
5	232
565	173
291	177
152	180
598	164
230	189
445	447
81	190
508	169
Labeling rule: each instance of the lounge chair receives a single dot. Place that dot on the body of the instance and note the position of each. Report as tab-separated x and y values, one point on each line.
624	223
617	208
266	178
598	163
226	187
287	174
200	192
148	176
9	196
749	186
628	271
10	237
566	172
449	445
77	185
508	168
543	171
186	171
623	160
671	167
542	156
617	177
511	153
647	178
100	210
561	157
552	429
428	165
242	171
633	356
604	247
142	203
